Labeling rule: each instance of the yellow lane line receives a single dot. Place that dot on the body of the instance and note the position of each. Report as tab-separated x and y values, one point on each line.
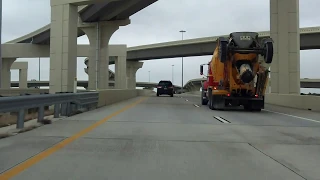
35	159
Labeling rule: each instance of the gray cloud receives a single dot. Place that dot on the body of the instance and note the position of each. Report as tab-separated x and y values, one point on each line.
161	22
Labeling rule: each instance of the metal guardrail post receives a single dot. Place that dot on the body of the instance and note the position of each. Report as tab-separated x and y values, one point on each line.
56	110
63	109
68	109
40	113
21	116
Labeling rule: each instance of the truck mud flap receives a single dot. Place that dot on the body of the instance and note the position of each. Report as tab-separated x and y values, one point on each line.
257	104
218	102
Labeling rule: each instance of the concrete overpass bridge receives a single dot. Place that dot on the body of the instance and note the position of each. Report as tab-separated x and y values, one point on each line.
309	38
98	20
84	83
195	84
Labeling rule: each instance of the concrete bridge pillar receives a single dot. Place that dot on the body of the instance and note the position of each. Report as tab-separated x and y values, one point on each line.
23	78
121	72
284	30
6	73
63	47
99	35
132	68
23	73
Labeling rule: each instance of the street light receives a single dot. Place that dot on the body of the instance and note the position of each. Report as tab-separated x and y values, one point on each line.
39	68
149	76
0	42
182	31
172	73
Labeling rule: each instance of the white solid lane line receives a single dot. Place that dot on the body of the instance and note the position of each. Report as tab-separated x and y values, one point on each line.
293	116
196	105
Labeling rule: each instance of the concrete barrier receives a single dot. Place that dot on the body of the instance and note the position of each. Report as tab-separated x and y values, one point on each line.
306	102
110	96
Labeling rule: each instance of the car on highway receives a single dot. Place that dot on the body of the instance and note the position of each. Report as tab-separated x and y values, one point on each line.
165	87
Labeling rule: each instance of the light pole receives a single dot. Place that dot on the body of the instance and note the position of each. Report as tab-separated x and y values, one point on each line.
149	76
0	42
172	73
39	68
182	31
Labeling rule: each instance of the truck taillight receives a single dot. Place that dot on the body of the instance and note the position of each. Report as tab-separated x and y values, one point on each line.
256	95
215	88
228	95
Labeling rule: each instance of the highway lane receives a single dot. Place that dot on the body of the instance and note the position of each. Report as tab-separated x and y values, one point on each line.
167	138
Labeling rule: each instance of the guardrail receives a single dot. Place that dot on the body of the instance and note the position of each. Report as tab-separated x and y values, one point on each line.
64	104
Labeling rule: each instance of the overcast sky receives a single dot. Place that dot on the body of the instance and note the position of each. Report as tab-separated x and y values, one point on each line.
162	22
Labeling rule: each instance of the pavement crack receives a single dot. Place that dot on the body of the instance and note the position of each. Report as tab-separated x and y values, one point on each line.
276	160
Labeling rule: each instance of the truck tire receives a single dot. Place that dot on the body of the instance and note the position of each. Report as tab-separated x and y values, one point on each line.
268	54
210	100
250	107
204	99
223	50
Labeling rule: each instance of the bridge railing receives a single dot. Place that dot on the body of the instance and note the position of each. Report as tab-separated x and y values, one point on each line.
64	104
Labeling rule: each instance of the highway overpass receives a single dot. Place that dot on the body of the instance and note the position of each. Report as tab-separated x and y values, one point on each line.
107	10
84	84
309	39
195	84
304	83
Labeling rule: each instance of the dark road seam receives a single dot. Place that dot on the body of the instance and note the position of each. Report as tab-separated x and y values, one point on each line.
276	160
218	124
177	140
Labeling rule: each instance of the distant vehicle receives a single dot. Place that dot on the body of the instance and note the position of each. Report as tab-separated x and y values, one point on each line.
165	87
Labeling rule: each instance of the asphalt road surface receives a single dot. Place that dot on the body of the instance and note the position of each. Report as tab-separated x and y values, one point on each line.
157	138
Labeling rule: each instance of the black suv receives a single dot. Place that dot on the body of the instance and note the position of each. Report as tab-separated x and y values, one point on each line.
165	87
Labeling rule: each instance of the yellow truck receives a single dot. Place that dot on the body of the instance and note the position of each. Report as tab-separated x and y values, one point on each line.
238	72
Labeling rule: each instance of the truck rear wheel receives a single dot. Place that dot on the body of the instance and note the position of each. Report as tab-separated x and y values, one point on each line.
252	107
210	99
204	99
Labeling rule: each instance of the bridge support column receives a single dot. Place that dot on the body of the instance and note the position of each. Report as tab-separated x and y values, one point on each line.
284	29
23	73
99	35
121	72
63	47
132	68
23	78
6	73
